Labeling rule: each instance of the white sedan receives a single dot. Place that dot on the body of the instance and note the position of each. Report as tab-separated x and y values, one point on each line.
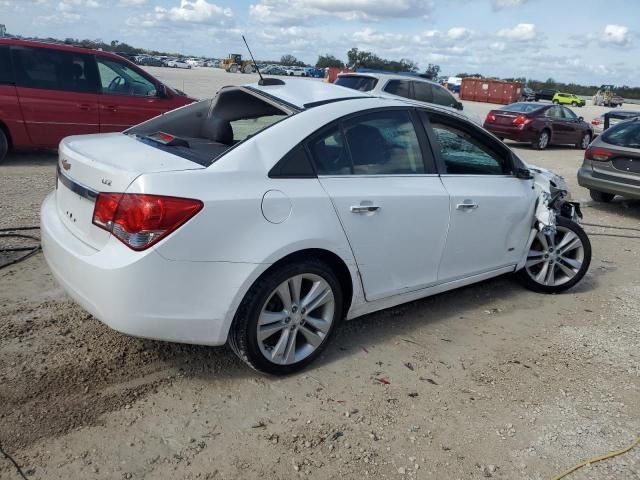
266	215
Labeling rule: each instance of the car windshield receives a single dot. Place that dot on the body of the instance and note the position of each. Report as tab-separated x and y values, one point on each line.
626	134
521	107
357	82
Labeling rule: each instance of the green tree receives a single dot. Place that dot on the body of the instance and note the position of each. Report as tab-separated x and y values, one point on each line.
432	71
327	61
291	61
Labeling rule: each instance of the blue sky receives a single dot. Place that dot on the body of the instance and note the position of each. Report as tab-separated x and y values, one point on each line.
569	40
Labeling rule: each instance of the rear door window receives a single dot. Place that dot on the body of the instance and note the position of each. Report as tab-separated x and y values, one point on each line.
402	88
330	153
52	69
6	74
624	134
423	92
357	82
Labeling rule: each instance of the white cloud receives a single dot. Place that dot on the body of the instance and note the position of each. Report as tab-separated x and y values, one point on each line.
290	12
189	11
459	33
521	32
132	3
372	37
616	34
499	4
73	5
498	46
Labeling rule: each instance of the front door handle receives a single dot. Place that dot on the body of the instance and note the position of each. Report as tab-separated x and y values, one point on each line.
364	208
467	205
84	106
111	108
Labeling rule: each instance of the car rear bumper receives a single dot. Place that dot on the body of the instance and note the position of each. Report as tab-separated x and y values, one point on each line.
608	183
511	133
142	293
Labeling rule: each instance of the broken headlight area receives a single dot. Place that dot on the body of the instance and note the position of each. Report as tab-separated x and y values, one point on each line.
553	200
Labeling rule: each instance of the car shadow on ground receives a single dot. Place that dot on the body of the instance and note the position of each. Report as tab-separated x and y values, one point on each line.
401	322
30	158
527	145
619	206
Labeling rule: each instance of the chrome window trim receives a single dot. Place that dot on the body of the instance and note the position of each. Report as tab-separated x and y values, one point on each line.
76	187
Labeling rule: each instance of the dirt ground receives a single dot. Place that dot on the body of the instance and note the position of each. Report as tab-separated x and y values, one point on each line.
485	381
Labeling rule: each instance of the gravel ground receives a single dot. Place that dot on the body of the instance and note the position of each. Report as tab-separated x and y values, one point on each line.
485	381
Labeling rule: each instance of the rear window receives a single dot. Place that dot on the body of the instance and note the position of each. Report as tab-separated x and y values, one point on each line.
625	134
521	107
54	69
6	76
355	82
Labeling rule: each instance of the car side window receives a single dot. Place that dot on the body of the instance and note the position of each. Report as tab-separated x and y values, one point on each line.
442	97
384	143
330	153
119	79
6	73
51	69
423	92
464	154
398	87
554	112
568	114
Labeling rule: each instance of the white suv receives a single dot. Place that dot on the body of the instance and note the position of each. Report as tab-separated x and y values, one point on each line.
389	85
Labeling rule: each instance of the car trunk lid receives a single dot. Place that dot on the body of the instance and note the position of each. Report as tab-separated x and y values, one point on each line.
91	164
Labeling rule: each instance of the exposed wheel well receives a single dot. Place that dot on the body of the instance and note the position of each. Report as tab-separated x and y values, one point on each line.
5	130
334	261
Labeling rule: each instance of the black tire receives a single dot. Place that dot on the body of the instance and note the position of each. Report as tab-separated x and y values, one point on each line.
574	104
556	102
525	278
4	145
243	338
584	141
603	197
540	143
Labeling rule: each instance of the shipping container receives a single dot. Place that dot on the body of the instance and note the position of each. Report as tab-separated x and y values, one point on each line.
490	91
333	73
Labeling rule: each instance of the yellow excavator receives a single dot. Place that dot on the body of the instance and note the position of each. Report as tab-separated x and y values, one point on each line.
234	64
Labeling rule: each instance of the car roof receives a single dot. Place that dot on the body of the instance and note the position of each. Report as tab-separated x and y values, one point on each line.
57	46
304	92
386	76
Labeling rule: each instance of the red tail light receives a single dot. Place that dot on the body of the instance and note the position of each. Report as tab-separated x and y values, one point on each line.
596	121
597	154
140	220
490	118
521	120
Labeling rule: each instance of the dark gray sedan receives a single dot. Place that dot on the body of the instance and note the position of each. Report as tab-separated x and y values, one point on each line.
612	163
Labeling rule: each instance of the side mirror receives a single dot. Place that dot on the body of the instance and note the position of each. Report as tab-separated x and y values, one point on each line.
162	91
581	119
459	106
523	174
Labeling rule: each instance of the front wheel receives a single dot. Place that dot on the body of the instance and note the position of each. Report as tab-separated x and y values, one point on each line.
4	145
287	317
557	261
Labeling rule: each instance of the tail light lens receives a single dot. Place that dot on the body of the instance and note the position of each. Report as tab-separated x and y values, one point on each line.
521	120
490	118
140	220
596	121
597	154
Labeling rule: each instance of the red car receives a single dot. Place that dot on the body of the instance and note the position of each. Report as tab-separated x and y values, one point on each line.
540	125
49	91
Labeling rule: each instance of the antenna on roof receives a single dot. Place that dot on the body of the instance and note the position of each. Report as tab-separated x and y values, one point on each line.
262	81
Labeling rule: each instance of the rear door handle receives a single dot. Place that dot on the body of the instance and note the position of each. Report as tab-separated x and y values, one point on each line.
363	208
110	108
467	205
84	106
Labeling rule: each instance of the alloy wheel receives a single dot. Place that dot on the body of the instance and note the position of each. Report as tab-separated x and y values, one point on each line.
555	259
295	319
544	140
586	138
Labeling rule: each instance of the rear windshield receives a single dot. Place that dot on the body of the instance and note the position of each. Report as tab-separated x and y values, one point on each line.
356	82
625	134
521	107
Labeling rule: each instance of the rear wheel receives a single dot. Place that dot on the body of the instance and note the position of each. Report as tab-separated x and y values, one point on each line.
288	317
4	145
557	261
601	196
574	104
584	141
543	140
556	102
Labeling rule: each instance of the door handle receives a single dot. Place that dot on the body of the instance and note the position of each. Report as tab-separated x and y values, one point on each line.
84	106
363	208
110	108
467	205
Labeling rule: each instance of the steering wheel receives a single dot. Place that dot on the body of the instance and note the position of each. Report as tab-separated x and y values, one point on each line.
116	83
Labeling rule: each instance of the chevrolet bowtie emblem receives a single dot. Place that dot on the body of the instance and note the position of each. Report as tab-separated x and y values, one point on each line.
66	165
